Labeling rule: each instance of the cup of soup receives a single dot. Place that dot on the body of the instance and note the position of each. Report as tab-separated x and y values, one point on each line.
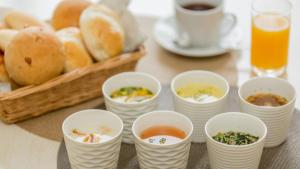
93	139
162	139
235	140
273	101
130	95
199	95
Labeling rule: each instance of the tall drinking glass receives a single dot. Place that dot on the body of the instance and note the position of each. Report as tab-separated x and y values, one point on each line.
270	36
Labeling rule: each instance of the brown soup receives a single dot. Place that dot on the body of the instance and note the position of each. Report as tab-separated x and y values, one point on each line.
267	99
162	135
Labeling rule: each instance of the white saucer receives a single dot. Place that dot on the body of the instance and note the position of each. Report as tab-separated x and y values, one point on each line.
165	33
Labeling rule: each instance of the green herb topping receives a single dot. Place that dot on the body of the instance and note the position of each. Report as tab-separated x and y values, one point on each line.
162	141
235	138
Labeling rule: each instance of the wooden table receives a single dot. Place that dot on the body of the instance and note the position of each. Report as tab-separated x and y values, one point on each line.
20	149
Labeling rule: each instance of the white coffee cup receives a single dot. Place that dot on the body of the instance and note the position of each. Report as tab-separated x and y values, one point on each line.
277	119
199	113
97	155
202	28
160	156
128	112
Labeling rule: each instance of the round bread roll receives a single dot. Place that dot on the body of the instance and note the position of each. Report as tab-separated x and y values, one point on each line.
75	52
19	20
102	32
68	12
3	73
6	35
35	55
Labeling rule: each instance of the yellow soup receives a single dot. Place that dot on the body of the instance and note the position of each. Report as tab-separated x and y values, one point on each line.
132	94
200	92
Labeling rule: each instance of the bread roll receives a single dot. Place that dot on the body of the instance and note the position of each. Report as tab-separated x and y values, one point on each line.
19	20
3	73
102	32
67	13
74	49
34	55
6	35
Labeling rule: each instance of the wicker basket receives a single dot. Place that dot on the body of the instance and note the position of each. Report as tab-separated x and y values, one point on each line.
65	90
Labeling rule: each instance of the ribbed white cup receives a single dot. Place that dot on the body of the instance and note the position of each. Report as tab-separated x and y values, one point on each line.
93	155
199	113
223	156
162	156
277	119
128	112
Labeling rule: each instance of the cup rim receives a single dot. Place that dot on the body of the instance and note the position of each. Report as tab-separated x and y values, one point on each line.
236	146
188	136
106	95
200	71
267	107
85	111
288	12
199	13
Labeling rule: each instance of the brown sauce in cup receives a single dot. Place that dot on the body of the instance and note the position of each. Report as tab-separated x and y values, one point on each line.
267	99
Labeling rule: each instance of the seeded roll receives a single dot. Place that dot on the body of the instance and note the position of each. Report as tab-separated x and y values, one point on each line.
34	56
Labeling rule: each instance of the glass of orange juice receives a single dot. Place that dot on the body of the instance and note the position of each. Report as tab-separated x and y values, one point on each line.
270	36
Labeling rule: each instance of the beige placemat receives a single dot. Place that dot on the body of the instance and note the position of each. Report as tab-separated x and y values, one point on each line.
158	62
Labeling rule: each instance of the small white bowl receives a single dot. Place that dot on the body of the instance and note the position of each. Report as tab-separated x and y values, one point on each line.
277	119
223	156
128	112
93	155
199	113
162	156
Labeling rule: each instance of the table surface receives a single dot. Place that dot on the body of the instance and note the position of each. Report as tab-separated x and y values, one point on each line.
21	149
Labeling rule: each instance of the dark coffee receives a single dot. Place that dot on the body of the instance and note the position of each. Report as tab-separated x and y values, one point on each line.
198	6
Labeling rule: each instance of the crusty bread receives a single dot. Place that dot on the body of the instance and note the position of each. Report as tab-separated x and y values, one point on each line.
68	12
3	73
34	55
6	35
19	20
102	32
74	49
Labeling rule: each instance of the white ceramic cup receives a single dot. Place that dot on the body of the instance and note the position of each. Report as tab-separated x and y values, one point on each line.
277	119
199	113
162	156
202	28
128	112
103	155
223	156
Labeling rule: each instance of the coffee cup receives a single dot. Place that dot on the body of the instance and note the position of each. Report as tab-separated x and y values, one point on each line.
202	23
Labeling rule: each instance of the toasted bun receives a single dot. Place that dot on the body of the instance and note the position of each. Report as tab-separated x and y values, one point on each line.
102	32
68	12
3	73
6	35
74	49
34	55
19	20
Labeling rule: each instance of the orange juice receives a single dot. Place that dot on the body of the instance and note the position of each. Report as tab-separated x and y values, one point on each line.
270	41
